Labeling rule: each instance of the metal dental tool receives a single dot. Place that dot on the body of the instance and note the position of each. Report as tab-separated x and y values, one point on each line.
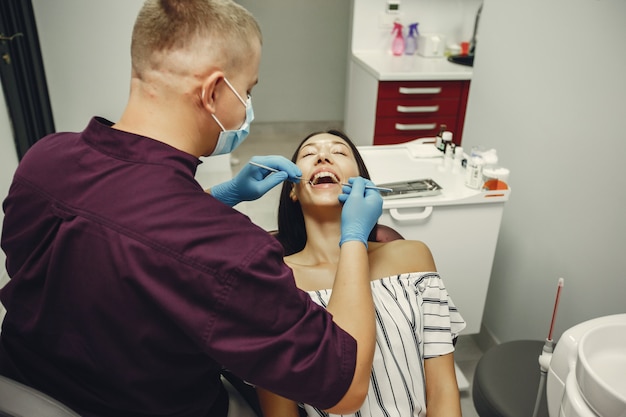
302	178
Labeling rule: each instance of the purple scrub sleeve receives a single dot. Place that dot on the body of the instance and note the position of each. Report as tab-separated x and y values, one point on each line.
131	288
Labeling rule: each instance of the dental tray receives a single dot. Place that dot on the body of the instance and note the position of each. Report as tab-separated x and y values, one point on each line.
407	189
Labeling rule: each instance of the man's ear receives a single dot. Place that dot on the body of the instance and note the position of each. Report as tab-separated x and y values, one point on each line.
209	91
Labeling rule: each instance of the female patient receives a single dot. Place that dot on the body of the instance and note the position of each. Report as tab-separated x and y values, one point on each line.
416	322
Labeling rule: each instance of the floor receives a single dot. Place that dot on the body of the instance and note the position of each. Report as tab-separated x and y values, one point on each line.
282	139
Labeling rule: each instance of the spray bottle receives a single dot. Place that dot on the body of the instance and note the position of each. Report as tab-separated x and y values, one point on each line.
410	44
397	45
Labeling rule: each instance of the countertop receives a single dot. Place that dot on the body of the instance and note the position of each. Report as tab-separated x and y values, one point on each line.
390	163
386	67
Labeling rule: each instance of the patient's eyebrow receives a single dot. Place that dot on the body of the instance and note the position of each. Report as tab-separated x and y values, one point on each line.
324	142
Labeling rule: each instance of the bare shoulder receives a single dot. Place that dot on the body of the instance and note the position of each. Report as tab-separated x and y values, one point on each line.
399	247
400	256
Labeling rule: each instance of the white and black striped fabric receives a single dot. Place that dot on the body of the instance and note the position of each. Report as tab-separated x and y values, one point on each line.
415	320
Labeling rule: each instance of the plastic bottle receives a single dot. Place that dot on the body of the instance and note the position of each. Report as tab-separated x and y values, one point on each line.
410	44
448	150
446	139
474	171
457	164
397	45
448	158
439	138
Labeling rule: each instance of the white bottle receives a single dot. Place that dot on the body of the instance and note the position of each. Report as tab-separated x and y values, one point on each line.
448	158
446	147
446	138
457	164
439	144
474	172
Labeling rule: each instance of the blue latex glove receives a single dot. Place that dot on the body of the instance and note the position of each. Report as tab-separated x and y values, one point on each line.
253	182
361	209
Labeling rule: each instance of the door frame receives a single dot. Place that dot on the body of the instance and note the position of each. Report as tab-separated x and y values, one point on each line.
23	76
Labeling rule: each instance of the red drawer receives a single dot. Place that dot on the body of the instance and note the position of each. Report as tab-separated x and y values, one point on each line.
407	110
416	107
413	126
420	89
394	139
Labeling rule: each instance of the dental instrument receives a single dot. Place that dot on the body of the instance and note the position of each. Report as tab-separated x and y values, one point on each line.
369	187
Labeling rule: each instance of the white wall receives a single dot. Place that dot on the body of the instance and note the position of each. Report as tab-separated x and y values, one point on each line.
548	93
86	43
305	54
85	46
372	24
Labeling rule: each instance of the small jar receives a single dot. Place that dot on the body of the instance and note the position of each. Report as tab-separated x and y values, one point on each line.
495	178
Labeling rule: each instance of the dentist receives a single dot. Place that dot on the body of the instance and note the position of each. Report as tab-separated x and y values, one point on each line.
132	288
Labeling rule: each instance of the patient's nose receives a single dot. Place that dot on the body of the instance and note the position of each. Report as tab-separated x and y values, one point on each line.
323	155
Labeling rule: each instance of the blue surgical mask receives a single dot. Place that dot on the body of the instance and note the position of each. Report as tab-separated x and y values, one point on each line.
229	140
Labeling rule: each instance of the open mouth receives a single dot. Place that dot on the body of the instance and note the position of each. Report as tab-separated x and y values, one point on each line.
324	178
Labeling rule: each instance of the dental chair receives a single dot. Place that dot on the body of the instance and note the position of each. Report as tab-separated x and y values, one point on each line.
19	400
506	380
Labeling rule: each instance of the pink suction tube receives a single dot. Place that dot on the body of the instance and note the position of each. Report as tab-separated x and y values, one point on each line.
546	354
556	306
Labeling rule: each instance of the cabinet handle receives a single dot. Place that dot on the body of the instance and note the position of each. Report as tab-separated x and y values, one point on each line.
422	90
402	126
417	109
396	215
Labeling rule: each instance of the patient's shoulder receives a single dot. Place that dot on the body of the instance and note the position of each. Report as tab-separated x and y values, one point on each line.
400	246
400	256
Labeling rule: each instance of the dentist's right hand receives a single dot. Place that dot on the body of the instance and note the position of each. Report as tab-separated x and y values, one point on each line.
361	209
252	182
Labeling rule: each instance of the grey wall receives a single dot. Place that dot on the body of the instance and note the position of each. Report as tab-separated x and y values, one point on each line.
85	45
548	93
304	63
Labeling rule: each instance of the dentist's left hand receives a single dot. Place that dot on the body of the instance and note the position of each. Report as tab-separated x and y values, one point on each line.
253	182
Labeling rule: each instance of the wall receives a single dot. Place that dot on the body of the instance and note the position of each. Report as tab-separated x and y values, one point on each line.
372	25
305	54
85	46
548	93
307	44
302	72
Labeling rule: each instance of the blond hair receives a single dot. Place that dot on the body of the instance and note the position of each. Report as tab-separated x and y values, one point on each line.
164	26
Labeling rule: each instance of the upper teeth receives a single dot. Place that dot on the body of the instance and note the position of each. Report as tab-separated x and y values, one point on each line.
323	174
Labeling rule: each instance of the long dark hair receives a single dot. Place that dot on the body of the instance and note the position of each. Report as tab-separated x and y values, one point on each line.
291	230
